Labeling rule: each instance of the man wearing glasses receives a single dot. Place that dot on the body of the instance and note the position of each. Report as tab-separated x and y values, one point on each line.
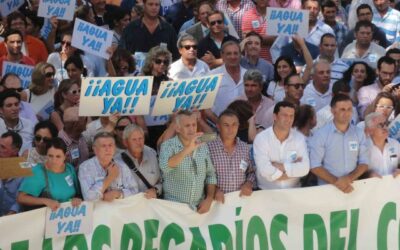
188	65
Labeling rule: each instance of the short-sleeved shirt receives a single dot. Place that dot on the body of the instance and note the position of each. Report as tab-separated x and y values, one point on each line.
384	163
389	23
62	186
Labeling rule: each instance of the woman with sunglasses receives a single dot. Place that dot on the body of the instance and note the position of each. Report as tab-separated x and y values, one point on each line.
52	182
119	131
43	132
156	64
123	63
58	58
41	90
67	95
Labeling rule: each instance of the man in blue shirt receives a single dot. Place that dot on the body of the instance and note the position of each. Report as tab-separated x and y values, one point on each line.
338	150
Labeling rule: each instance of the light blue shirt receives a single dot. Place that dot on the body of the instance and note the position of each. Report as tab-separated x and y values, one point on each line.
8	195
339	153
389	23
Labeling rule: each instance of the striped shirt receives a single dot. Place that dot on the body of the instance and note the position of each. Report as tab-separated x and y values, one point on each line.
389	23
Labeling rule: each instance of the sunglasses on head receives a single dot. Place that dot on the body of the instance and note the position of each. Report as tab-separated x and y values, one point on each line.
159	61
212	23
187	47
66	43
75	91
39	138
49	74
298	85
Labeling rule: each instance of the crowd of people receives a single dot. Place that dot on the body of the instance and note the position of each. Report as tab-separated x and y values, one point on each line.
289	112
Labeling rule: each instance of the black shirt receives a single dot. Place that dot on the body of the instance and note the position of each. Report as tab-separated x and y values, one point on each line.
208	44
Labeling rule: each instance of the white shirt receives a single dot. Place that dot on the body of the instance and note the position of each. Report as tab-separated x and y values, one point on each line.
384	163
179	70
276	91
316	99
228	91
267	149
371	56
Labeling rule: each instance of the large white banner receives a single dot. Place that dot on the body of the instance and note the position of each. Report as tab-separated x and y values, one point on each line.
304	218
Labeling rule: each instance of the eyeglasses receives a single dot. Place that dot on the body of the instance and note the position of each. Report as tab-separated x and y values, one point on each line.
66	43
384	107
75	91
297	85
15	89
39	138
187	47
49	74
212	23
159	61
120	128
382	125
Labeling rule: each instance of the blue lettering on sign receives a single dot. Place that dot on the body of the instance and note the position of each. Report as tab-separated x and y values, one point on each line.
286	15
290	29
13	4
91	30
63	213
394	129
62	2
56	11
69	227
175	89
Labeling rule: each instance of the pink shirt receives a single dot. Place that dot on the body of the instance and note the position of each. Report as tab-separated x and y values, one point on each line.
290	4
262	118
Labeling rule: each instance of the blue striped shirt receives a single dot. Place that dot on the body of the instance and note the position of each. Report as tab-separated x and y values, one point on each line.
389	23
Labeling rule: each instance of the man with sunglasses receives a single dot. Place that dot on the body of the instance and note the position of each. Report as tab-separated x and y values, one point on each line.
338	150
383	151
188	65
209	48
11	120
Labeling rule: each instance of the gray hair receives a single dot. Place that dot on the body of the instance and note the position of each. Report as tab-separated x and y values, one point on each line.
370	119
253	75
318	62
180	114
130	129
185	37
103	134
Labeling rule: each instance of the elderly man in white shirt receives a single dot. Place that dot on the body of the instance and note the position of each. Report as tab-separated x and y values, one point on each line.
188	65
280	152
383	151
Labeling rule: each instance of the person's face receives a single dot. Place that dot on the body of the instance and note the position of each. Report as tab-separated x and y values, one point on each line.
124	22
49	73
295	88
203	13
160	65
359	73
188	50
216	24
73	94
322	74
386	73
284	118
14	44
384	106
123	68
55	158
66	45
134	15
18	24
42	137
119	128
396	57
74	73
228	127
252	89
262	3
231	55
364	36
99	4
10	109
342	112
381	5
135	142
329	14
253	46
187	127
104	149
6	148
283	69
151	8
313	7
328	47
379	128
30	28
365	15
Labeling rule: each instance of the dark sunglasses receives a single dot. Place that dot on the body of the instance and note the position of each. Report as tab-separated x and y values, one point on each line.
120	128
383	125
159	61
66	43
75	92
15	89
212	23
298	85
49	74
187	47
39	138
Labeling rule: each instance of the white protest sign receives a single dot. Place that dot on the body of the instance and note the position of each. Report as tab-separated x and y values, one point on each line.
46	111
394	128
91	38
192	93
23	71
69	220
62	9
140	58
102	96
9	6
155	120
46	28
287	22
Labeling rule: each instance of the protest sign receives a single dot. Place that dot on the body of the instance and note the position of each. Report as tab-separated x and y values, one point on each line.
192	93
140	58
69	220
301	218
23	71
102	96
91	38
166	4
62	9
9	6
46	28
155	120
45	112
287	22
14	167
394	128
